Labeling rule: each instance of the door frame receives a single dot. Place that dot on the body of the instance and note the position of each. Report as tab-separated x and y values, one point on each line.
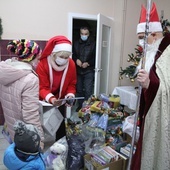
72	16
102	21
99	18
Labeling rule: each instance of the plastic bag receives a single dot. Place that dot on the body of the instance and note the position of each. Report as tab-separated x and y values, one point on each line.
128	127
93	120
102	121
56	155
94	138
76	152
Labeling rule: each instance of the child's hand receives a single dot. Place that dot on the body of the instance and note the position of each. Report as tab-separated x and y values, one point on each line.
42	145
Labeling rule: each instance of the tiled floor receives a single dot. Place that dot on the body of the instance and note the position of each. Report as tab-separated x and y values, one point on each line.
3	145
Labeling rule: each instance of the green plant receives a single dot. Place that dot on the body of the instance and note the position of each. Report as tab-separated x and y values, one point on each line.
165	26
129	72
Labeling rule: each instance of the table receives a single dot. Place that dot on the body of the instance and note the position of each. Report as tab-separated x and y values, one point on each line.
128	96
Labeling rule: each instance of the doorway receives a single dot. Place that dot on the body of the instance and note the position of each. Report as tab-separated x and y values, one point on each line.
101	27
92	26
102	30
78	23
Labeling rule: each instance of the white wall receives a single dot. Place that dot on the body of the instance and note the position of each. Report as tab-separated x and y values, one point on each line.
42	19
126	17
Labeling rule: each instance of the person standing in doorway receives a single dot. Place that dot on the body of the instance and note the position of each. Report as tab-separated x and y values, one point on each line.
84	51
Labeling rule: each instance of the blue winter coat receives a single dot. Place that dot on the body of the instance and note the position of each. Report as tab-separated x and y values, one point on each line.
12	162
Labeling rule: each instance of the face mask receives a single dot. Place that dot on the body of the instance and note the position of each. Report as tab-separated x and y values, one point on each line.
61	61
141	43
84	37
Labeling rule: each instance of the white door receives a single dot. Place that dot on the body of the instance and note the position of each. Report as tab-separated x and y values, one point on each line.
103	45
103	41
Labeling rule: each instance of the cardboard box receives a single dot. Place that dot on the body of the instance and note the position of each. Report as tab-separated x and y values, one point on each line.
51	118
89	164
125	161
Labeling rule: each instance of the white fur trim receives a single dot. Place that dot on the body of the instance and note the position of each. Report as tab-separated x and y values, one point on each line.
62	47
50	72
69	94
153	27
48	97
63	79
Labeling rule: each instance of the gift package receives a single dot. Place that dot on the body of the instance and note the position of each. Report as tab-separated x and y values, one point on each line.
99	125
94	135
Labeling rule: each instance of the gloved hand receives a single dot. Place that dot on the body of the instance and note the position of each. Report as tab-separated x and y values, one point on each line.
70	102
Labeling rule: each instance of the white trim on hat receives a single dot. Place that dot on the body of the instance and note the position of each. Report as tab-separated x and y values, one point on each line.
153	27
62	47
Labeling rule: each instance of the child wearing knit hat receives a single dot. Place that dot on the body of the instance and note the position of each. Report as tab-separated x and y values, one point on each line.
26	50
19	86
24	153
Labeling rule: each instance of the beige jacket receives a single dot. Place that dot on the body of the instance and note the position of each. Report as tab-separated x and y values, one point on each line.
156	135
19	94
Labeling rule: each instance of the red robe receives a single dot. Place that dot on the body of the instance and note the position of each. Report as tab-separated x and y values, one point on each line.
146	100
66	83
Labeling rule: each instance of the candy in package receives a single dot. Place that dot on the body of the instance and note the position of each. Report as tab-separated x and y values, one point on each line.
112	152
94	118
98	159
102	122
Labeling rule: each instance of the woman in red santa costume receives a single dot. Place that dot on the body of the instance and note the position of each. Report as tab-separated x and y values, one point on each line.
57	74
153	148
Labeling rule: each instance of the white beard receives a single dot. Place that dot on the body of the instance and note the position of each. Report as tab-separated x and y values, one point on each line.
150	56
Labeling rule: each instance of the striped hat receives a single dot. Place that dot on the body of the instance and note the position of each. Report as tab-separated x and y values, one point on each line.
26	50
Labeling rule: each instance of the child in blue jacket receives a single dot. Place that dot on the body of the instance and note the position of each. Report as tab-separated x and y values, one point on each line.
24	153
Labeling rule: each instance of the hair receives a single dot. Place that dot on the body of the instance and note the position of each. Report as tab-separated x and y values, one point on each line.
84	28
63	53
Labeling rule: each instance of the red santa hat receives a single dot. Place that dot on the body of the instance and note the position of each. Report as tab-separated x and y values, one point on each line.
56	44
154	23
